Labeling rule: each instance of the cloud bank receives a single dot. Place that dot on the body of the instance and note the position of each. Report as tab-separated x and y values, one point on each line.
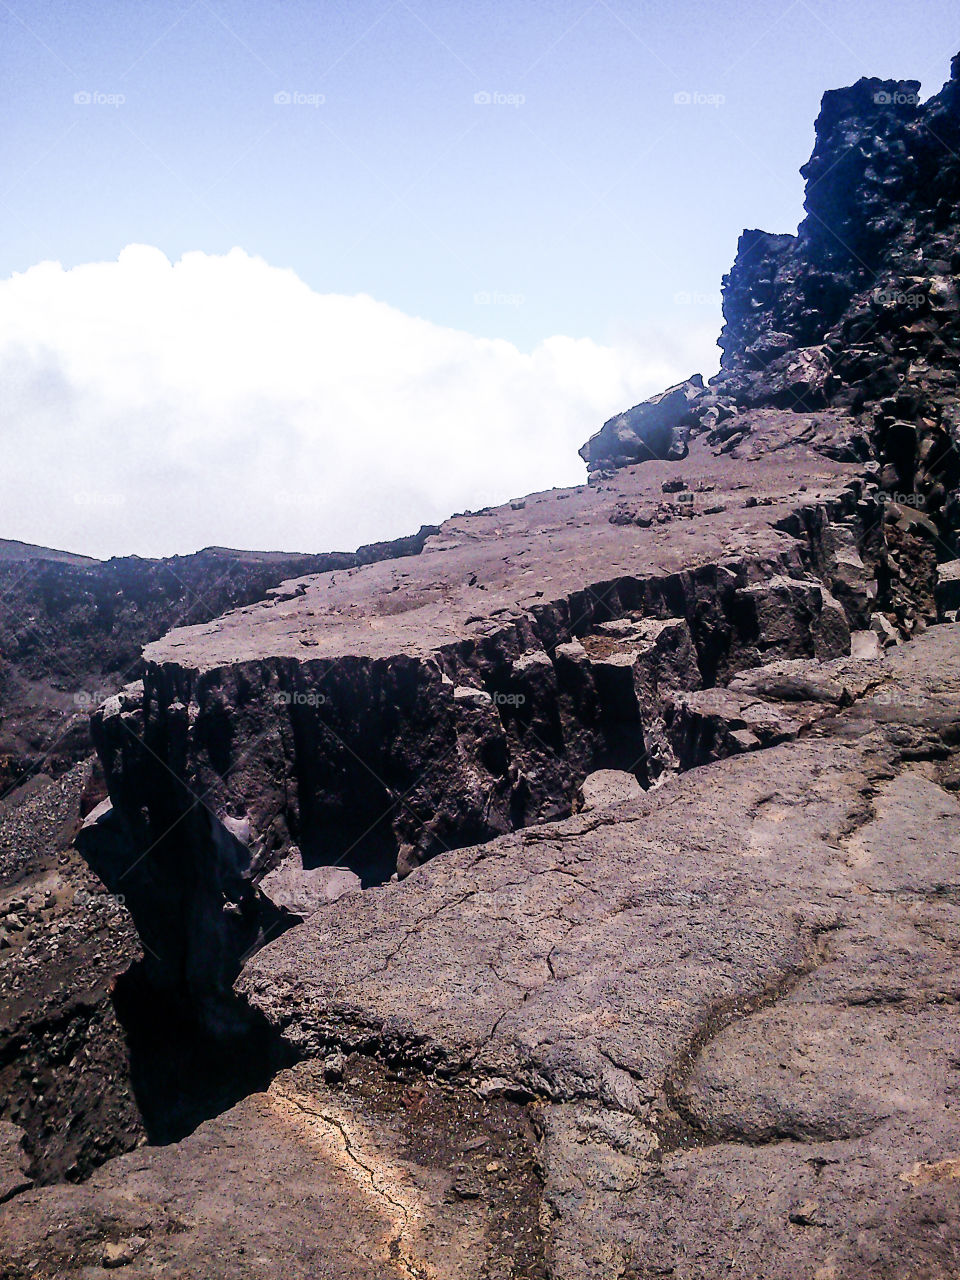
154	408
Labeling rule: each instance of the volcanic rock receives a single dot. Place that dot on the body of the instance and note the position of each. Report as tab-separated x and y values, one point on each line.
301	890
657	428
13	1161
607	787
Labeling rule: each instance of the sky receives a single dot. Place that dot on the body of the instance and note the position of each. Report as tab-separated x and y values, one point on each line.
302	275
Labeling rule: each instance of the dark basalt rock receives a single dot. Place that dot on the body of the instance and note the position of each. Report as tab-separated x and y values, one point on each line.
856	316
656	429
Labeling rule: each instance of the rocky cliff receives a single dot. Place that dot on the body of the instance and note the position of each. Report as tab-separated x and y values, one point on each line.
853	323
592	873
76	1058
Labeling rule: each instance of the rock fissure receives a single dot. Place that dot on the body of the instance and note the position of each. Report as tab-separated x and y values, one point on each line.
723	1015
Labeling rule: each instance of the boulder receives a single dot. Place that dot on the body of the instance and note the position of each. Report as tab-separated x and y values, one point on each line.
947	592
712	724
13	1161
798	680
637	664
657	428
300	891
606	787
794	617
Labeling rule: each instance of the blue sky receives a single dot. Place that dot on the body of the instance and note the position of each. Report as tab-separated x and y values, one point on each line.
576	197
595	201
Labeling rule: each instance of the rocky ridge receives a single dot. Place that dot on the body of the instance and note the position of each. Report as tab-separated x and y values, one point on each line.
853	323
72	630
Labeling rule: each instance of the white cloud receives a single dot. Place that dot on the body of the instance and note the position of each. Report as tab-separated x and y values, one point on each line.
154	408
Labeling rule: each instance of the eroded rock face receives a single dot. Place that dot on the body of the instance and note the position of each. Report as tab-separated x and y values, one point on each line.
14	1162
65	1074
375	719
79	1062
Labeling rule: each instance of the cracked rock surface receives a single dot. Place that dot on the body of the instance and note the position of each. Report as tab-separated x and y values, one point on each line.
738	1023
723	1036
379	1175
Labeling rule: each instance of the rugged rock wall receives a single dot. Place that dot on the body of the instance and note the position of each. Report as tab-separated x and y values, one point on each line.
219	773
854	322
860	310
91	1061
72	630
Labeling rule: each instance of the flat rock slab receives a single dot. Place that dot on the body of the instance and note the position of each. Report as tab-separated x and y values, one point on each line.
735	1000
377	1176
509	558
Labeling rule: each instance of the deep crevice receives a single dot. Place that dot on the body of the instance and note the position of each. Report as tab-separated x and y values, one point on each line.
181	1072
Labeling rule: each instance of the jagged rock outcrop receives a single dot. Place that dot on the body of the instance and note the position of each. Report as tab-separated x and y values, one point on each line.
79	1063
376	718
853	324
66	1083
860	310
